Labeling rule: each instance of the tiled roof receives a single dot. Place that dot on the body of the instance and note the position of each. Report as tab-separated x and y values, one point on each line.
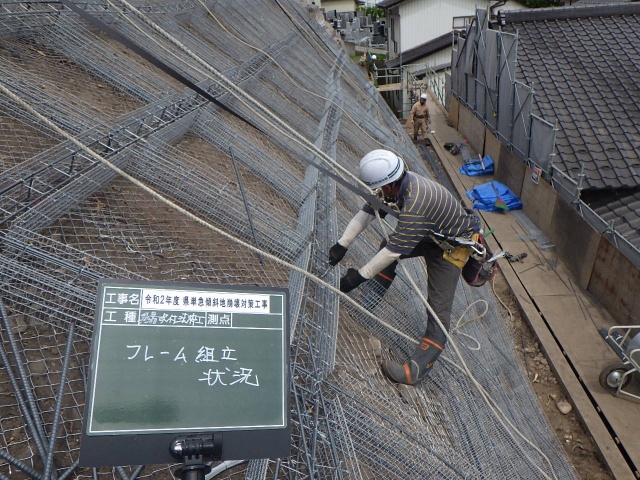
624	215
584	66
421	51
582	3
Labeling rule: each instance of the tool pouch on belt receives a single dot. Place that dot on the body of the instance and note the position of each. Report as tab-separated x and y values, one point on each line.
458	256
478	270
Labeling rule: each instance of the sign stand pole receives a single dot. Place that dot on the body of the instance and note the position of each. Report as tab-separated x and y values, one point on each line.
194	452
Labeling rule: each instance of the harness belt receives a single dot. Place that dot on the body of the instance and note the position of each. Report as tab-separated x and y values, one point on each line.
449	244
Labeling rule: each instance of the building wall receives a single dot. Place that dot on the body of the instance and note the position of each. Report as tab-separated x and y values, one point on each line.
393	36
598	265
337	5
438	58
424	20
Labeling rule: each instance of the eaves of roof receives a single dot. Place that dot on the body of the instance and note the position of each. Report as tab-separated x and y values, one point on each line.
623	213
435	68
582	3
386	4
432	46
565	13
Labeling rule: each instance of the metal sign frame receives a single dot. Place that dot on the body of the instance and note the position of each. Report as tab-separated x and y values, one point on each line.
167	361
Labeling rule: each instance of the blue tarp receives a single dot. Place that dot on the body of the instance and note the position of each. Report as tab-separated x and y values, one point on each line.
494	197
476	167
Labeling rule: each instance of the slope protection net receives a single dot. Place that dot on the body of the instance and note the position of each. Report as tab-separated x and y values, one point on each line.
288	96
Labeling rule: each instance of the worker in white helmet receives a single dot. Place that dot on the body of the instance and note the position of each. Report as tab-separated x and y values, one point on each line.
419	116
371	66
428	212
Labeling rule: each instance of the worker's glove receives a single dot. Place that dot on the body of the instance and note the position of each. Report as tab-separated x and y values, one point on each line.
336	253
351	280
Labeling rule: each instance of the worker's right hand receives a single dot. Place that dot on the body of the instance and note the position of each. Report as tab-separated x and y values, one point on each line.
336	253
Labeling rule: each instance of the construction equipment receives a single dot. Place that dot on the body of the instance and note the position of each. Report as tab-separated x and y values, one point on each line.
616	377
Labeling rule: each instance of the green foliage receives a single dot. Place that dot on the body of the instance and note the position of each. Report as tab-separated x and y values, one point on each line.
541	3
373	11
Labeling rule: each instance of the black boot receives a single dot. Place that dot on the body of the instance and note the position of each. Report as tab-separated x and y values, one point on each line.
418	366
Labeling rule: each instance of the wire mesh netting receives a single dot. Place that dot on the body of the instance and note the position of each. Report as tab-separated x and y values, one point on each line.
226	193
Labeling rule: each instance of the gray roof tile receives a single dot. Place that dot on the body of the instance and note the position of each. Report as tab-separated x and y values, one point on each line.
584	64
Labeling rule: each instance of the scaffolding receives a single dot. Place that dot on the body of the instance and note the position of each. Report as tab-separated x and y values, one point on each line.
110	168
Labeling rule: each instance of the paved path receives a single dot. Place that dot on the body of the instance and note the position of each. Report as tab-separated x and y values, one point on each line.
565	318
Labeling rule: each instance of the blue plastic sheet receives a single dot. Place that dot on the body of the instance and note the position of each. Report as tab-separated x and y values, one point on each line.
494	197
476	167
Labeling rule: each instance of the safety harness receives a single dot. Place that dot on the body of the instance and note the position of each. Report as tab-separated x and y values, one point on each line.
478	267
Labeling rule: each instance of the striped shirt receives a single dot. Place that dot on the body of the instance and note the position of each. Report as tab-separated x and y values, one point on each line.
426	207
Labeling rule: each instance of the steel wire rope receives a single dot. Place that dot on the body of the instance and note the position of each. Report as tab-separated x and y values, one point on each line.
464	368
262	111
192	216
294	81
240	96
494	408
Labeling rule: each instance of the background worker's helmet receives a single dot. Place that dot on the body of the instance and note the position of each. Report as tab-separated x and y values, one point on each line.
423	96
380	167
373	57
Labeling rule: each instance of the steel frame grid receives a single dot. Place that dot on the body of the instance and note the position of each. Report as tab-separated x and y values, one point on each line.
356	438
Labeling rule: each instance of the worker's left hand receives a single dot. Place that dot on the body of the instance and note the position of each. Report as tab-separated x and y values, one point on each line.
336	253
351	280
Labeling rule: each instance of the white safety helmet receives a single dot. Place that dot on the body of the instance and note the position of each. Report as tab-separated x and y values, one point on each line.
380	167
424	95
373	57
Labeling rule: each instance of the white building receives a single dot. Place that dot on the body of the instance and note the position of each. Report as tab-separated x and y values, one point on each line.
420	36
339	5
415	22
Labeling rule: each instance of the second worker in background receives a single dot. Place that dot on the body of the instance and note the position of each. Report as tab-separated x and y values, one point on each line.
419	116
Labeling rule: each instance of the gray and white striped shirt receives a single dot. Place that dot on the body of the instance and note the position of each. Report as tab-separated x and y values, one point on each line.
426	207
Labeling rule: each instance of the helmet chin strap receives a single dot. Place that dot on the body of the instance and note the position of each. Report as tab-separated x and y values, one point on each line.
387	199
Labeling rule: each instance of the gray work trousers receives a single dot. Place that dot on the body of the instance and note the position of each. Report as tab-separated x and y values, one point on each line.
442	280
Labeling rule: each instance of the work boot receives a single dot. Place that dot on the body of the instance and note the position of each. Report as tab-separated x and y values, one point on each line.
418	366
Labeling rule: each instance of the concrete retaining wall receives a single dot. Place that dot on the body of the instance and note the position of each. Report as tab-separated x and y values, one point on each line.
576	241
471	128
615	281
597	264
454	108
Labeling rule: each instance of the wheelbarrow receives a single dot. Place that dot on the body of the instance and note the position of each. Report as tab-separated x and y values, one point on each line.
616	377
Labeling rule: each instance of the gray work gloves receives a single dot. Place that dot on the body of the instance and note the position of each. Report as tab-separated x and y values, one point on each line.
336	253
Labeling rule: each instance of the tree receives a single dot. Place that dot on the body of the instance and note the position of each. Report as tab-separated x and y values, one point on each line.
373	11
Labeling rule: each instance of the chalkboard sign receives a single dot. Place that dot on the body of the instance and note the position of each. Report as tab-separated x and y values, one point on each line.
178	358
